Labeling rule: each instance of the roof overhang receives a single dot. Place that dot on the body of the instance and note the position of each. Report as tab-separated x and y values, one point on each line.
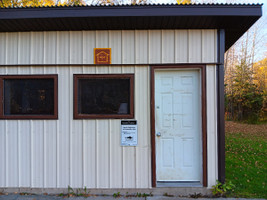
235	19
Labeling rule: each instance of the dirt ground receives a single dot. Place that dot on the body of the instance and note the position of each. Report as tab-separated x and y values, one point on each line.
251	129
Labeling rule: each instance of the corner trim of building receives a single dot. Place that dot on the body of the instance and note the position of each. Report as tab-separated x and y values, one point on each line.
220	104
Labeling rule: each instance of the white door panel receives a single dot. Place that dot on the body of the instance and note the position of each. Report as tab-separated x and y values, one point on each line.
178	127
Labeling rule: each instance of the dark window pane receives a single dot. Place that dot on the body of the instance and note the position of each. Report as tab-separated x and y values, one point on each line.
29	96
104	96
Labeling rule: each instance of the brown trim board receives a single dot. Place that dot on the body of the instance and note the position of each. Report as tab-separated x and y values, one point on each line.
220	104
203	114
110	65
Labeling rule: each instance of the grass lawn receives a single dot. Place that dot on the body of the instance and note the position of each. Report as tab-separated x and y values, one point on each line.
246	159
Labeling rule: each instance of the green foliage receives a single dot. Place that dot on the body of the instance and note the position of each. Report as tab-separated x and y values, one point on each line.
168	195
75	2
138	194
147	195
79	192
143	195
221	189
37	3
246	165
71	191
183	1
116	195
244	101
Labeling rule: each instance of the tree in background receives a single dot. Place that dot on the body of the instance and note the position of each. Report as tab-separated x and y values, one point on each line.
74	2
245	73
260	79
37	3
183	1
244	102
8	3
132	2
245	89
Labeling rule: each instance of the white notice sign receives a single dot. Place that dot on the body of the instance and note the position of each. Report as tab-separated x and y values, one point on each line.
129	133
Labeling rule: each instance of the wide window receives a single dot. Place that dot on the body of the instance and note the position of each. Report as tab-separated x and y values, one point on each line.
103	96
28	97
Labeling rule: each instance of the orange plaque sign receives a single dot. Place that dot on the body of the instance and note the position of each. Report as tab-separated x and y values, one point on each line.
102	56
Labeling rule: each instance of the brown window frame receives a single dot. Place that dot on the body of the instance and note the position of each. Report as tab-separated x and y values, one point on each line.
76	115
26	116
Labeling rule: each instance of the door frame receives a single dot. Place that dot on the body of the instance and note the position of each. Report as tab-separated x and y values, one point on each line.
202	69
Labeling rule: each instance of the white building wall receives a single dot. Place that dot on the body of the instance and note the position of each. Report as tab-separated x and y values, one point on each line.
58	153
212	144
128	47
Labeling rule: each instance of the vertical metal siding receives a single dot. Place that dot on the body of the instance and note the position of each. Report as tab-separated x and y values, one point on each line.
63	48
76	47
128	47
115	45
194	45
37	47
102	151
24	154
2	150
181	46
63	132
89	155
143	160
115	170
58	153
12	154
76	138
168	46
11	51
116	159
3	48
50	147
24	46
129	153
101	39
155	46
211	125
89	43
50	47
141	46
209	49
37	161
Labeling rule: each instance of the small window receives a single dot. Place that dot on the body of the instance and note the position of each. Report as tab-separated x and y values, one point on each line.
28	97
104	96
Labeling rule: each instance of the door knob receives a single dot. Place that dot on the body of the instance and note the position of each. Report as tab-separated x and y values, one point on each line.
158	134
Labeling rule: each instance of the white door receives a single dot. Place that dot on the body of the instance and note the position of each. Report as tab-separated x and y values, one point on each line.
178	126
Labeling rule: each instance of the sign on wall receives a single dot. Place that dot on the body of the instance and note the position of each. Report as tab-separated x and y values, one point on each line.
102	56
129	133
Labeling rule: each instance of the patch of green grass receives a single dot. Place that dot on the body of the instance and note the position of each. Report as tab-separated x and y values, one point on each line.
246	157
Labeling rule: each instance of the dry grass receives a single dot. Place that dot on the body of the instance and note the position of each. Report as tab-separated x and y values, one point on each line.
246	129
